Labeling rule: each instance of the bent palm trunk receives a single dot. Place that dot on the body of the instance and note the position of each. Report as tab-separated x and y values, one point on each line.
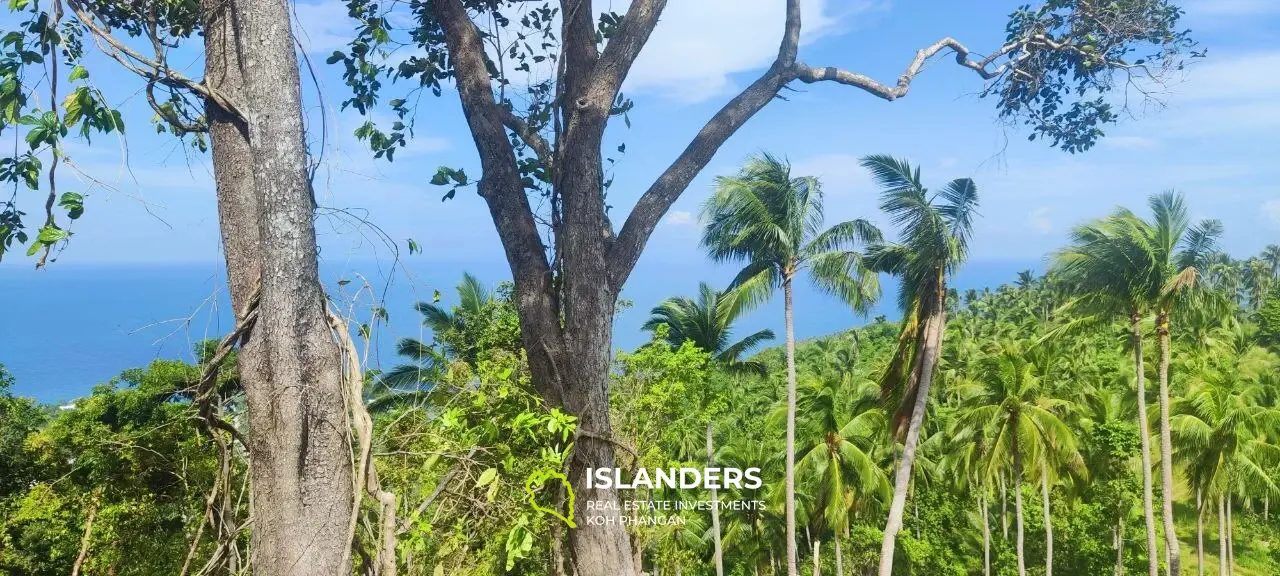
928	357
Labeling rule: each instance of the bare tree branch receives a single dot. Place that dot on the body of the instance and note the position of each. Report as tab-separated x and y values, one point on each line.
676	178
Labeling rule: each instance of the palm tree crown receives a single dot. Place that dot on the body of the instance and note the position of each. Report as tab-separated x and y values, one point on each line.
708	323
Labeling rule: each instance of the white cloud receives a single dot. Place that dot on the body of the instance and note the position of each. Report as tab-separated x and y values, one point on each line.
1254	75
1038	220
681	218
1271	213
698	44
839	173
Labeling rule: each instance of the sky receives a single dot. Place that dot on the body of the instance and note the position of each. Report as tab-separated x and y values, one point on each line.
150	198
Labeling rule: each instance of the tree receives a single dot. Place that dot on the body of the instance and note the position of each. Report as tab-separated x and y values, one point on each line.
933	244
772	221
551	145
708	323
835	454
1020	422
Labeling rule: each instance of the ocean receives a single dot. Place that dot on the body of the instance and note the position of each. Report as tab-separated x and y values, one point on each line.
69	327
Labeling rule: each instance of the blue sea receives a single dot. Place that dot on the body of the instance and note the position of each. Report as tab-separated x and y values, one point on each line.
69	327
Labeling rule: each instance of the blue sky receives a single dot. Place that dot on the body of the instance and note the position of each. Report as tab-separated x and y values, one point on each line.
150	199
1212	140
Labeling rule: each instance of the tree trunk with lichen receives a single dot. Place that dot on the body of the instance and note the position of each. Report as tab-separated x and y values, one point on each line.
289	364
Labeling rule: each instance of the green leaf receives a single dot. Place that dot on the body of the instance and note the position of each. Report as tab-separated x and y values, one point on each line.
78	73
337	56
74	204
486	477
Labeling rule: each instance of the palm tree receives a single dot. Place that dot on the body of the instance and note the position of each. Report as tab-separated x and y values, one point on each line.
472	299
1010	411
1221	425
708	323
934	238
772	221
835	454
1123	264
1271	255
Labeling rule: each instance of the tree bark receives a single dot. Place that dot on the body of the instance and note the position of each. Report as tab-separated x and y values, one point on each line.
986	534
1144	433
715	511
817	557
1004	508
1199	532
291	369
88	535
791	426
1017	505
1120	546
1222	538
1231	544
1048	519
929	348
1172	547
839	557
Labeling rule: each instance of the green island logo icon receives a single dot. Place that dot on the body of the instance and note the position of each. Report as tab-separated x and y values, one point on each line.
536	481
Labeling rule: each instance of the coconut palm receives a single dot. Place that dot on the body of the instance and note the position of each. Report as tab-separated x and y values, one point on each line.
708	323
834	453
473	297
1009	409
1221	425
772	221
933	243
1124	265
1271	255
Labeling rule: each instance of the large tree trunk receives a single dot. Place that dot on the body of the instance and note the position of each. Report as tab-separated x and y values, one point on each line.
817	557
1048	519
1199	532
1144	433
290	366
1172	548
715	511
788	312
1017	506
929	349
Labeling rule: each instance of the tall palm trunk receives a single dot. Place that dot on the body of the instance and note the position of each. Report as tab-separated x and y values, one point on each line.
1172	547
1119	539
1004	507
1231	544
715	511
927	359
791	427
817	557
1144	433
1222	538
1048	519
986	534
1199	532
1017	506
839	557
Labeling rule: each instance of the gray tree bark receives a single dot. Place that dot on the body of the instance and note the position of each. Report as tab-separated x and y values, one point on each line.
1144	433
1172	547
927	359
1231	543
791	426
839	557
1222	538
1120	546
1017	505
986	533
290	366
